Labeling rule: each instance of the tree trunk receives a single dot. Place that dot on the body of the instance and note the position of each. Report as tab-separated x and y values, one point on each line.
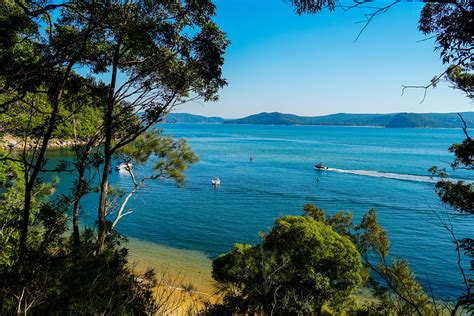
25	224
77	197
104	186
120	213
30	180
319	309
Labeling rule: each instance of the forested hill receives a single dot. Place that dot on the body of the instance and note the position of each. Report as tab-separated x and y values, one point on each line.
276	118
394	120
191	118
434	120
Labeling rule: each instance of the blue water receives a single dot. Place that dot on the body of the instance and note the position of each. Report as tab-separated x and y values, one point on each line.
385	169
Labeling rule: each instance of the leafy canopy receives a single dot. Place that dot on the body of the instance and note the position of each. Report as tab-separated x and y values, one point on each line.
300	266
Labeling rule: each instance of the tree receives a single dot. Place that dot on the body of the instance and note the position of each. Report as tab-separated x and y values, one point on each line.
450	23
170	160
39	54
393	281
300	266
459	196
10	208
312	6
135	61
165	53
162	64
55	282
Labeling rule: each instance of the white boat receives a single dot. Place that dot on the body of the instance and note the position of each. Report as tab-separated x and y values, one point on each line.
216	181
13	144
124	166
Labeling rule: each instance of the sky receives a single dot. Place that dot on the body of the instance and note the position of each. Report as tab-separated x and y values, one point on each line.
311	64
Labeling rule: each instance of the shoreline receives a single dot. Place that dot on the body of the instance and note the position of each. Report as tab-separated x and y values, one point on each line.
322	125
183	277
14	143
186	269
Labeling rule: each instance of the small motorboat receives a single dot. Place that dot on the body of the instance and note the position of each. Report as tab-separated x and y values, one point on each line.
13	144
216	182
319	166
124	166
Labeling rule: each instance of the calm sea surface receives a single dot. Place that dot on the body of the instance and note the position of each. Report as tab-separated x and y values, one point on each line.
385	169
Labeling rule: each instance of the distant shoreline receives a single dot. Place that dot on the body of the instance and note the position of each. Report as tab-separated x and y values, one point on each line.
14	143
302	125
392	120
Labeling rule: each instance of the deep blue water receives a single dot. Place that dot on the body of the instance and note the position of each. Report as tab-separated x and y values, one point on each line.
385	169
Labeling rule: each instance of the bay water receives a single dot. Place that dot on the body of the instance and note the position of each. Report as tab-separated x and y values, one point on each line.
384	169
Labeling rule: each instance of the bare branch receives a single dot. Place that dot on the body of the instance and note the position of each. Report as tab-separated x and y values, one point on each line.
369	17
433	83
464	128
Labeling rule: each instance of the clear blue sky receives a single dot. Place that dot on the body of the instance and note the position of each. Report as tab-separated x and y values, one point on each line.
310	65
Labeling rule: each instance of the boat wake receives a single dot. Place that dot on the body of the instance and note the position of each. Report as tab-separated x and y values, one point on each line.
388	175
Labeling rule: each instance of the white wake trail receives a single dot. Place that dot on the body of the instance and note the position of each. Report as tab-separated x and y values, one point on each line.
388	175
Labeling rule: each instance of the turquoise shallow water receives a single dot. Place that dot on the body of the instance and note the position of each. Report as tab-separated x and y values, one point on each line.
385	169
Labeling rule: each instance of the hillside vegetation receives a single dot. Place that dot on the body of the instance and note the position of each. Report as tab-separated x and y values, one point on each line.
191	118
392	120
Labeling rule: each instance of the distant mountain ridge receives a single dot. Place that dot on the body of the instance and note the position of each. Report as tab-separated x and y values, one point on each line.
392	120
341	119
191	118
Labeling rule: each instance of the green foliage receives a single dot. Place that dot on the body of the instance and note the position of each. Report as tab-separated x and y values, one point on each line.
162	61
451	23
54	279
166	53
410	297
371	237
462	79
17	50
300	266
12	188
459	195
169	158
463	153
312	6
30	115
57	282
341	222
393	282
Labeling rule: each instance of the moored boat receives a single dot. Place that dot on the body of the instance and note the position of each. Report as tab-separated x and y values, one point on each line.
216	181
124	166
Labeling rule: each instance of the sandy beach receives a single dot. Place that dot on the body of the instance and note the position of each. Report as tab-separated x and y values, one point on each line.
183	276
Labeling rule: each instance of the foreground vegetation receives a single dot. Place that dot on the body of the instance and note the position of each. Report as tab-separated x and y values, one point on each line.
138	60
312	264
